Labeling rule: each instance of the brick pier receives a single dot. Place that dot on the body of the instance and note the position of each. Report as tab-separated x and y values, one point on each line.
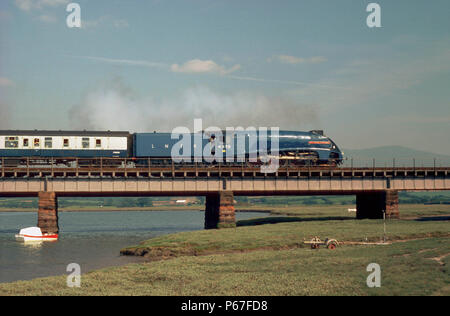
370	205
48	212
219	211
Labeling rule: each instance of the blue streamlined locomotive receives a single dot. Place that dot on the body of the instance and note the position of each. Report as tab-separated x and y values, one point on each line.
310	148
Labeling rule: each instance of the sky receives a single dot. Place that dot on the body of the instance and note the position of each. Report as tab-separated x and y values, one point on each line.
148	65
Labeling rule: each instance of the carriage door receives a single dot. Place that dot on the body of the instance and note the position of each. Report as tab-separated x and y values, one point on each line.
36	146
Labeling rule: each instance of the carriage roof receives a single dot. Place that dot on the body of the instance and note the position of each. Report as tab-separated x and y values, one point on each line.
63	133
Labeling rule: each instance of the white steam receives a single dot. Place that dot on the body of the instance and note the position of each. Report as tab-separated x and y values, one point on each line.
115	108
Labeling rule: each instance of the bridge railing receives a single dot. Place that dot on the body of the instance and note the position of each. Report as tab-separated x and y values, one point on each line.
348	162
129	167
396	162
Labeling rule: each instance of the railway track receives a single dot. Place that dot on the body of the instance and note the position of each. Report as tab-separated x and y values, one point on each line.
117	167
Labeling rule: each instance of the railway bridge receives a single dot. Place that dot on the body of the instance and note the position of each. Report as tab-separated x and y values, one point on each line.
376	188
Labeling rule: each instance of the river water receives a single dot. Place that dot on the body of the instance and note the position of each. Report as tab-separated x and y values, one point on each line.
91	239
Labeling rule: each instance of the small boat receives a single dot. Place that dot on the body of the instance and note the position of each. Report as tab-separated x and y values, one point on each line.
35	234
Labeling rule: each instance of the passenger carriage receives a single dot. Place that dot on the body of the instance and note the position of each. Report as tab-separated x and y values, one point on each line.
63	146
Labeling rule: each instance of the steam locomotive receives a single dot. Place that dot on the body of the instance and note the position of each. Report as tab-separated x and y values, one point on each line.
303	148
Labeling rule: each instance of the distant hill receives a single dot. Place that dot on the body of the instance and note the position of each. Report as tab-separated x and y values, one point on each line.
384	156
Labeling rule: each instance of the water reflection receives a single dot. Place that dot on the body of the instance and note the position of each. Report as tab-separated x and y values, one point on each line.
34	244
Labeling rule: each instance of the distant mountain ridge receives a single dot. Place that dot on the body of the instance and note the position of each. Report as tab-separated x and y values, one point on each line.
385	155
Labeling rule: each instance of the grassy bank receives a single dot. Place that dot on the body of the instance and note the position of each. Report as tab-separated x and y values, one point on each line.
406	210
288	233
271	259
418	267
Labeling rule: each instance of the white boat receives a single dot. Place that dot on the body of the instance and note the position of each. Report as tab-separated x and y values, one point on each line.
35	234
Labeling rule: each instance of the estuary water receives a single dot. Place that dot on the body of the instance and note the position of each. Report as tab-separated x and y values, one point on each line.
91	239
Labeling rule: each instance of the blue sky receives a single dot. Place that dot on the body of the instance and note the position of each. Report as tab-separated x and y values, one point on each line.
154	65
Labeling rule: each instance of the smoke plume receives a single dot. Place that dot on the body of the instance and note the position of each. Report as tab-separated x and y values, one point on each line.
115	107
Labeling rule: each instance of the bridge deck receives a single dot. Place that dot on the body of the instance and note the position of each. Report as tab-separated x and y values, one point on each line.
25	176
299	182
181	171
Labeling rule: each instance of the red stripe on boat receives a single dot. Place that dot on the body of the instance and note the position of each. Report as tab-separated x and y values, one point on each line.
47	236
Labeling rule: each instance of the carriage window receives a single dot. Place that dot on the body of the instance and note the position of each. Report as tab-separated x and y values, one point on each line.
85	142
25	142
66	142
48	142
36	142
11	142
98	143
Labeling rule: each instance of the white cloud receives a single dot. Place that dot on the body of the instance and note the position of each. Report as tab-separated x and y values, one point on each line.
203	66
27	5
5	82
286	59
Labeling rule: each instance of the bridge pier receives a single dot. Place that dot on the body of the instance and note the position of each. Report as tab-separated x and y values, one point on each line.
48	212
370	205
219	210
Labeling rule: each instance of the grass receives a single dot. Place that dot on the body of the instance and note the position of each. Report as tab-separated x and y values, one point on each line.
271	259
282	235
406	210
408	268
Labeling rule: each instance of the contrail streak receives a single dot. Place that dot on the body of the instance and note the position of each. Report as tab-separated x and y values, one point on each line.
128	62
145	63
299	83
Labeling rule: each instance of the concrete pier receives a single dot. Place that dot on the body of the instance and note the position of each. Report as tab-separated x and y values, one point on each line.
48	212
370	205
219	210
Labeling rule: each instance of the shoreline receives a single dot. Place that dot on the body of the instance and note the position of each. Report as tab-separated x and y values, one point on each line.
168	258
291	210
134	209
